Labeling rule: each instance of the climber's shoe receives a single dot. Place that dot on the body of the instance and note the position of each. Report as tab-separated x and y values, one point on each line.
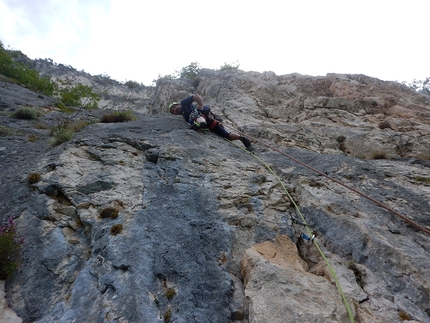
245	141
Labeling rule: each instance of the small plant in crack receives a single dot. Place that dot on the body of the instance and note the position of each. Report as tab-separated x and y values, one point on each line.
26	113
170	293
167	316
33	178
341	141
379	155
403	316
358	273
116	229
109	212
118	116
10	249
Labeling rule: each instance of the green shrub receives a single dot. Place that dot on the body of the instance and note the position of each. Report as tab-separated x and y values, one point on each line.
77	96
131	84
65	109
23	74
230	66
26	113
62	134
118	116
10	249
190	71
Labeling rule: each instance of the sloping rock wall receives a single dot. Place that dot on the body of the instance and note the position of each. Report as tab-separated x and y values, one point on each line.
277	280
208	233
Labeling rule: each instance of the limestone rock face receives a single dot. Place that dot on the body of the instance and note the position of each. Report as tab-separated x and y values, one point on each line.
281	289
114	95
150	221
6	314
350	114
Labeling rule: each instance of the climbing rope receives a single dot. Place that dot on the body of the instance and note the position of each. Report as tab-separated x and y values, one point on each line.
312	239
399	215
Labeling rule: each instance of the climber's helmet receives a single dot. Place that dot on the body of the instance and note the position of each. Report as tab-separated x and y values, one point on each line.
175	108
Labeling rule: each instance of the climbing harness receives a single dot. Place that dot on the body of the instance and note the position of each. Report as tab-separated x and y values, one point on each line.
311	236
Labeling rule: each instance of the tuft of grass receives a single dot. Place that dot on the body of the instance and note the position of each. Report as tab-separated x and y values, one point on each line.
340	139
425	180
26	113
379	155
32	137
116	229
66	131
61	134
109	212
40	125
384	125
170	293
167	315
118	116
33	178
6	131
10	249
403	316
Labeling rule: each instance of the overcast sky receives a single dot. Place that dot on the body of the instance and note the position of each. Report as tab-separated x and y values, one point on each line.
139	40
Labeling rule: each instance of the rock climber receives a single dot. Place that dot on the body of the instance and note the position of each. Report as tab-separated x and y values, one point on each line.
200	116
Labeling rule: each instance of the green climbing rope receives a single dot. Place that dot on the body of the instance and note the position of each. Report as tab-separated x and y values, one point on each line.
332	272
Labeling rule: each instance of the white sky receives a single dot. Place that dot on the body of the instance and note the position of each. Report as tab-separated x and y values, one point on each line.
140	39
